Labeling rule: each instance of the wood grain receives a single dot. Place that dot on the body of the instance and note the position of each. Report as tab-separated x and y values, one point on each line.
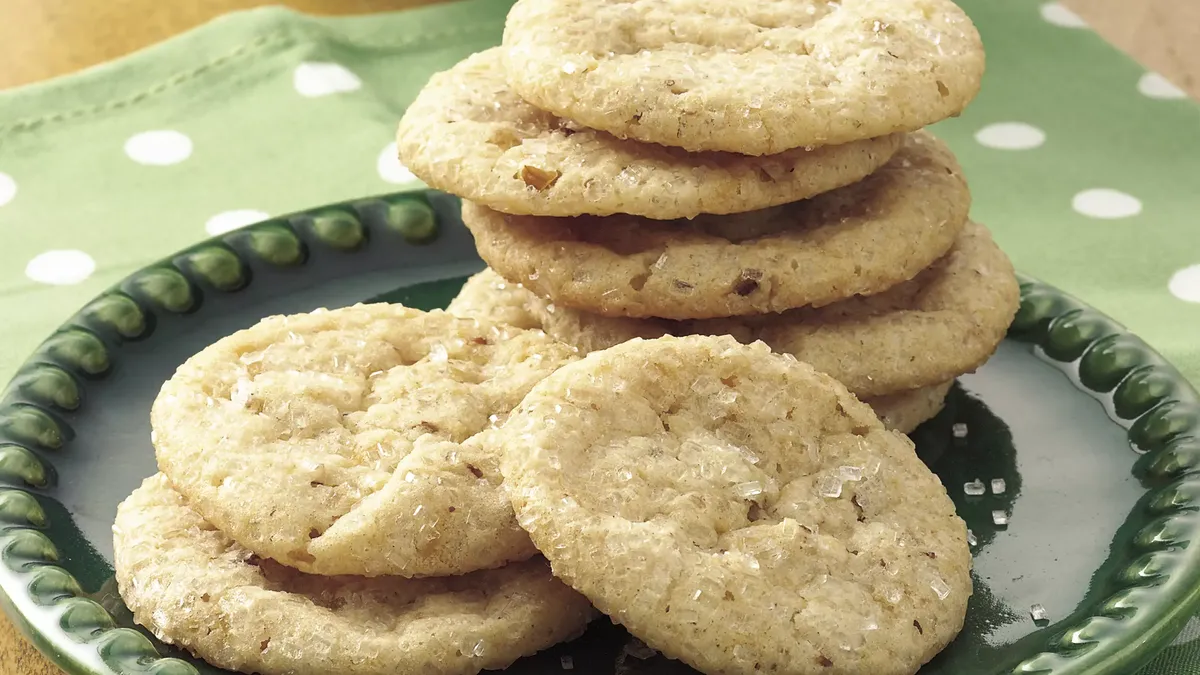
44	38
1164	35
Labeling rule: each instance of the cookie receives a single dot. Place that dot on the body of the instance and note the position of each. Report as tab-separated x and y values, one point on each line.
946	321
860	239
194	587
342	442
737	510
906	410
755	77
467	133
489	297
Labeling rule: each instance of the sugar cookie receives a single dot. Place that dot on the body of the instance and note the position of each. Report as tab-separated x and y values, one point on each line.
341	442
737	510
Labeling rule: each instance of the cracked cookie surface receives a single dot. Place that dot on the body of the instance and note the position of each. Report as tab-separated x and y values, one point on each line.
194	587
737	510
859	239
754	76
467	133
344	441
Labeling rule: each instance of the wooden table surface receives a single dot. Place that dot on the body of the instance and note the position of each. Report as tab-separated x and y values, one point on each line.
45	38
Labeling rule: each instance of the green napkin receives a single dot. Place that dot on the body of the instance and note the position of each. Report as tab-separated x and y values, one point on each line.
1086	167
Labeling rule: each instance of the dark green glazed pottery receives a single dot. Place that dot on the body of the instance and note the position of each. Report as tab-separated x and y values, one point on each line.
1093	442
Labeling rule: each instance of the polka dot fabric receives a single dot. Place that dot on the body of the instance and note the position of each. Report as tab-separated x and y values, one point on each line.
391	170
257	115
312	80
1082	163
228	221
8	189
158	148
1057	14
1085	166
60	268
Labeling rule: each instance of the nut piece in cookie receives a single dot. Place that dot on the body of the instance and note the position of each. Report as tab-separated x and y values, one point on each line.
737	510
343	442
192	586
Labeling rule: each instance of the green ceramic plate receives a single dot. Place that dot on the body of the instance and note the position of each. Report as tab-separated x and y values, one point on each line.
1093	442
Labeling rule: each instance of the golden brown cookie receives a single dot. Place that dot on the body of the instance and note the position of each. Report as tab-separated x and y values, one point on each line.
904	411
753	76
860	239
344	441
467	133
192	586
945	322
489	297
737	510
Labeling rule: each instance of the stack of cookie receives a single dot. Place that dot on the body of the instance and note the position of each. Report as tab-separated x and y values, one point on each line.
327	503
732	209
757	169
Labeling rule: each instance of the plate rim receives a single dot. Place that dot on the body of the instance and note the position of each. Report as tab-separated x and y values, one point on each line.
1149	602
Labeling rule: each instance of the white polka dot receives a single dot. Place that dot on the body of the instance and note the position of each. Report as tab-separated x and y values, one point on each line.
1185	284
391	170
8	189
158	148
322	79
1011	136
1154	85
228	221
61	267
1106	203
1055	13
